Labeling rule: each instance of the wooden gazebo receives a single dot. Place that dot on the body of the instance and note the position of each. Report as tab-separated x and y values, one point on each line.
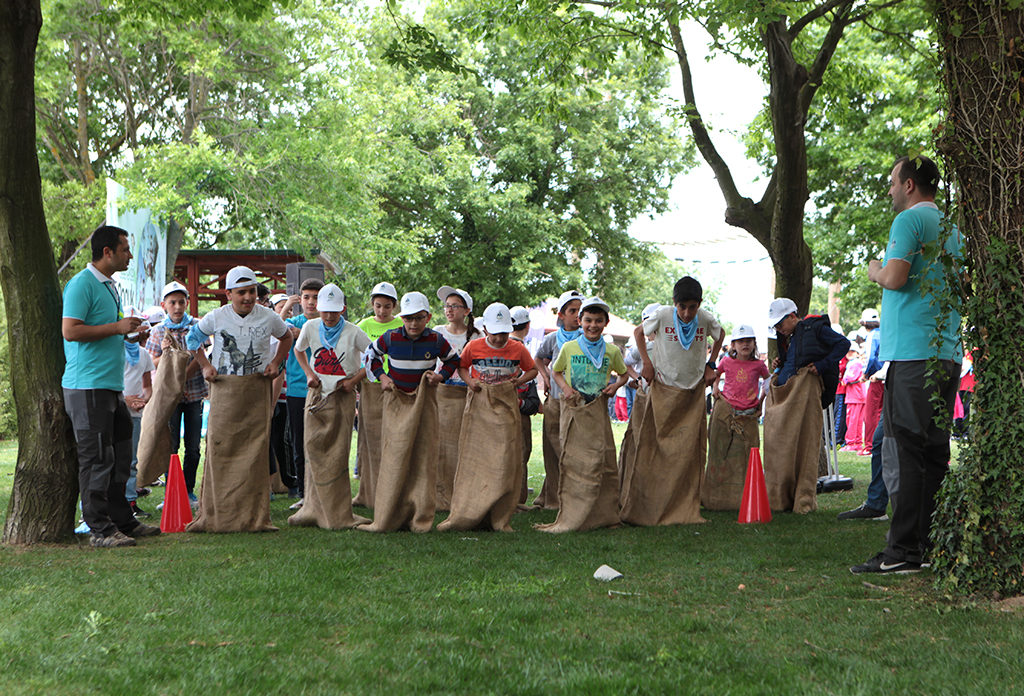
203	271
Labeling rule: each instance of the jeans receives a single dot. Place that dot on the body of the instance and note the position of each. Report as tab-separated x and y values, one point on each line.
192	415
129	491
630	395
878	495
296	423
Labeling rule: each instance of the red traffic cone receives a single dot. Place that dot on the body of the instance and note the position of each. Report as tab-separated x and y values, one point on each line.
177	511
754	507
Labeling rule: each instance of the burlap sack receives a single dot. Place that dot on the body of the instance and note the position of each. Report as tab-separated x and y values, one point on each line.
588	489
730	440
235	493
154	451
451	403
490	473
662	486
551	445
792	442
328	439
627	450
407	483
371	435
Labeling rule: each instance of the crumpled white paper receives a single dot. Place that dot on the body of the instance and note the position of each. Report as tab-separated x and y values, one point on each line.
607	574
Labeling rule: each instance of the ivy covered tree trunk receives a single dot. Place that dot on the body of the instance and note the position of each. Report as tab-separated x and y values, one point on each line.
42	507
979	524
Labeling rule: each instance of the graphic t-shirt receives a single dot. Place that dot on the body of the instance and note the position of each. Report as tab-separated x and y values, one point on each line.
578	370
333	365
742	381
494	366
374	330
674	365
241	345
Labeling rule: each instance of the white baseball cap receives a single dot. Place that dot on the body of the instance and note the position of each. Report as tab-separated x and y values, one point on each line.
445	290
156	314
330	299
497	318
174	286
779	309
413	303
592	302
649	311
385	289
567	297
520	315
869	315
743	331
240	277
274	299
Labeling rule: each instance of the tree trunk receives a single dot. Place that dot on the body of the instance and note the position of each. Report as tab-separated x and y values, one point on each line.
979	522
175	238
42	507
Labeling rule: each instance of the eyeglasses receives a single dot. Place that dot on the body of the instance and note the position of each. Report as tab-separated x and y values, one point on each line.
454	306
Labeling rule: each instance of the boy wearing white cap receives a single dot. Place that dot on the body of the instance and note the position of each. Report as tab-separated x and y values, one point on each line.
335	345
176	324
413	349
495	359
808	342
584	365
240	332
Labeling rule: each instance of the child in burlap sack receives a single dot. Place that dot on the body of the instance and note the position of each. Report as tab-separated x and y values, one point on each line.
407	483
805	383
336	347
734	421
488	479
662	485
589	478
568	330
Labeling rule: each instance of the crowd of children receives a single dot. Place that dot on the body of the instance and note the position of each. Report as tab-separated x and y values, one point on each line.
417	455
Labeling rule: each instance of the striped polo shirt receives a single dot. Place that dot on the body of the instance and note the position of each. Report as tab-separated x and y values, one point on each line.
408	359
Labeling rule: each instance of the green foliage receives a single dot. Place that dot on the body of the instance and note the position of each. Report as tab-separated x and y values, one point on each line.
979	521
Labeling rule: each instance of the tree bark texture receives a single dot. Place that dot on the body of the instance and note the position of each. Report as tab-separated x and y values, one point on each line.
42	506
980	519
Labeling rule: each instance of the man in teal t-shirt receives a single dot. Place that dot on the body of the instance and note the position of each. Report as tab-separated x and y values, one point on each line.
94	327
917	328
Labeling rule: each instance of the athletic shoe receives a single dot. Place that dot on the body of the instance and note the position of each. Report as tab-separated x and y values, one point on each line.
114	541
143	492
137	511
159	482
82	528
193	501
143	530
296	505
863	513
159	507
883	565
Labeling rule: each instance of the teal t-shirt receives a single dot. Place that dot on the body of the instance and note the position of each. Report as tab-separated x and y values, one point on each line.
93	364
294	375
908	319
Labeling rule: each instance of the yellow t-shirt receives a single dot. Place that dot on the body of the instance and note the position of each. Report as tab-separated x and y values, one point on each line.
578	370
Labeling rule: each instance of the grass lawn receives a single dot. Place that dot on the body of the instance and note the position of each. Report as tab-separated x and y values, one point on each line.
715	608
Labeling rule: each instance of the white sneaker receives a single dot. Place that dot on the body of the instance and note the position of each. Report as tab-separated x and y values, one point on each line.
296	505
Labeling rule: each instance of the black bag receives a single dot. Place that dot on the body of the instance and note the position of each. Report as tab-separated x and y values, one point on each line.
530	399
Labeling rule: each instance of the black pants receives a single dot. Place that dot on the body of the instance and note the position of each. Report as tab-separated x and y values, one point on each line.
103	434
922	450
280	449
296	422
192	415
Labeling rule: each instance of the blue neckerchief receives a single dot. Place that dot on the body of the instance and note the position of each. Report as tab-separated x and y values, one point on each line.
186	321
594	350
329	334
131	353
195	338
685	332
564	336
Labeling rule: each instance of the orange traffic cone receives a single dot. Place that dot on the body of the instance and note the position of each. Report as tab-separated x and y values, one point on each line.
754	507
177	511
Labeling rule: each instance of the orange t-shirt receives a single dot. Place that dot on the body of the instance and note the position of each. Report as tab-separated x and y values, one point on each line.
493	366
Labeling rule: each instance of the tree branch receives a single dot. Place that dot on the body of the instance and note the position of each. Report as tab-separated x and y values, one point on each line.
814	14
825	52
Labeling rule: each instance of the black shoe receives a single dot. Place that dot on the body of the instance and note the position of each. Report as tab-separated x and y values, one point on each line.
138	512
863	513
884	565
143	492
